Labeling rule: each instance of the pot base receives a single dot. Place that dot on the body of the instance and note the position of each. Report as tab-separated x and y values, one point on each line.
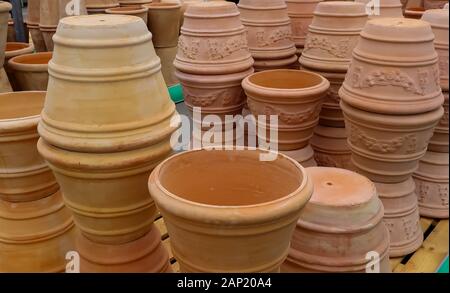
304	156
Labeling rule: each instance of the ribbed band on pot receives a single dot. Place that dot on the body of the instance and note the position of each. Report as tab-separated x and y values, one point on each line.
386	8
439	142
301	13
394	69
332	35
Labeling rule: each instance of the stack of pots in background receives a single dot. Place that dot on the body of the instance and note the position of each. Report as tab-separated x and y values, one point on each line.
164	24
212	60
386	8
5	8
301	14
341	228
100	6
36	229
269	34
333	34
105	125
392	101
33	17
432	177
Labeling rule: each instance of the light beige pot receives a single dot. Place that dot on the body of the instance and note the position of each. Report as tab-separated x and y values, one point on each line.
217	220
30	71
33	19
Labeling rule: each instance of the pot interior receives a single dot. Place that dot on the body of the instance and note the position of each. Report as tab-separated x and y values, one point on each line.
21	104
229	178
36	58
16	46
285	79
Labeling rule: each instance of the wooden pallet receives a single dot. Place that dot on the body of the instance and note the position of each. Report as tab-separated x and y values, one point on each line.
427	259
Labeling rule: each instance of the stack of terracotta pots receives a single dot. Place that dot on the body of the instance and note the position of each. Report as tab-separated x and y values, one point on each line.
269	34
217	220
33	20
385	8
5	8
36	229
301	14
100	6
212	60
105	125
392	101
164	24
432	177
341	228
333	34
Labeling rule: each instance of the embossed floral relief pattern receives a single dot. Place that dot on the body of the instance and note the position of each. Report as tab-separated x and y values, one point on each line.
341	49
299	28
426	190
227	97
332	161
409	227
265	39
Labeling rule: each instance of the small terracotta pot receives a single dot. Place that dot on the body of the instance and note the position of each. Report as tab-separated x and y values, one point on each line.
99	6
138	11
269	29
30	71
226	225
213	40
381	81
401	216
301	14
331	148
387	148
167	56
387	8
432	179
414	12
296	97
14	49
164	23
35	236
341	223
24	176
144	255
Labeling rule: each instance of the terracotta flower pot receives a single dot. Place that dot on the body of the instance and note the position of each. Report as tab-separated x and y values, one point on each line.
164	23
414	12
167	56
125	3
269	32
387	8
138	11
33	11
301	14
99	6
295	96
36	235
341	223
106	124
30	71
33	19
226	225
394	78
144	255
24	176
14	49
5	7
48	21
331	148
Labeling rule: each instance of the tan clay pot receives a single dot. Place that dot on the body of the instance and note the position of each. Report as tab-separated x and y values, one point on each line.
167	56
414	12
125	3
33	19
24	176
48	21
138	11
400	77
99	6
144	255
226	225
106	124
164	23
331	148
295	96
14	49
387	8
341	223
11	35
5	7
30	71
269	32
35	236
301	14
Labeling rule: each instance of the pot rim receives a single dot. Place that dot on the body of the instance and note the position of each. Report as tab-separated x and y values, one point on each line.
30	67
12	53
131	10
162	6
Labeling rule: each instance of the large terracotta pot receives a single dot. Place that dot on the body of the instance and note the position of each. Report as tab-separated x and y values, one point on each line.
164	23
33	19
301	14
5	7
386	8
295	96
30	71
24	176
269	33
106	123
48	21
12	50
36	235
226	225
138	11
144	255
99	6
394	78
339	226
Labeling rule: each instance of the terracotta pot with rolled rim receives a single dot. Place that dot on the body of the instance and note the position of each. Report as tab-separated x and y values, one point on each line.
164	23
295	96
387	8
221	223
269	33
12	50
30	71
331	148
301	14
414	12
24	175
99	6
138	11
35	235
395	78
106	124
144	255
341	223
